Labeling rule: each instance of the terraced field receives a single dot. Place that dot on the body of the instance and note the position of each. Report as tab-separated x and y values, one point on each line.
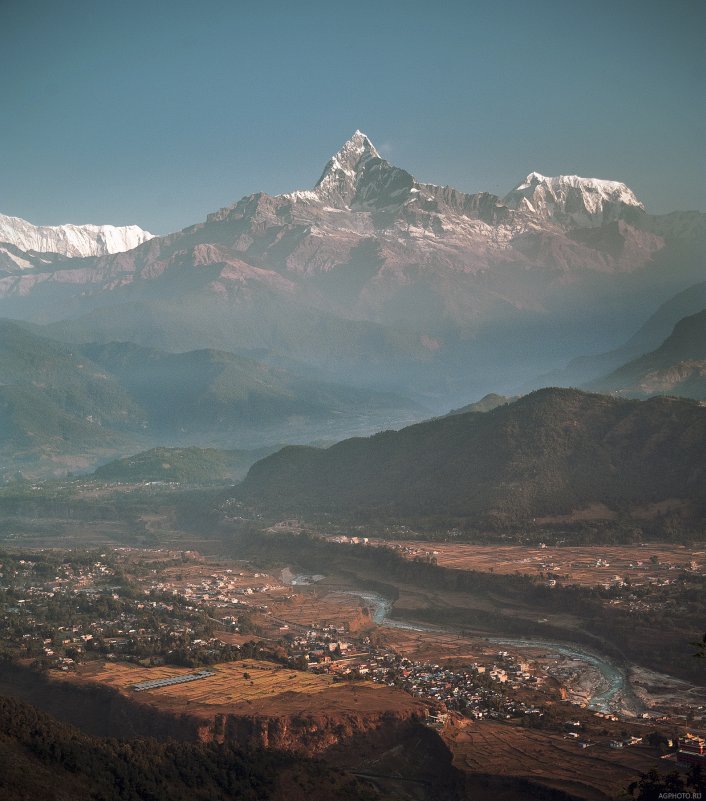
245	687
232	682
322	606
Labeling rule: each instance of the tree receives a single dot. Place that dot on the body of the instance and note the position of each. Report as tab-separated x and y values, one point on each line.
653	787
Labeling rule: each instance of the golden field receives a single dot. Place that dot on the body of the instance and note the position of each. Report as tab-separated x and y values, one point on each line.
269	688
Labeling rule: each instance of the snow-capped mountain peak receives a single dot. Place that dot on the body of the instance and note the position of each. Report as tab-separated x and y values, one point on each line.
71	240
532	180
352	156
571	198
338	183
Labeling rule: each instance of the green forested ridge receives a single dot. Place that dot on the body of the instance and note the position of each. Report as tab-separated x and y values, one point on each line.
486	404
50	390
202	388
185	465
551	452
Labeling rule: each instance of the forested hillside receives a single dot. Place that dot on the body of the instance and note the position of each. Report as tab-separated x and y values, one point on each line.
42	759
551	452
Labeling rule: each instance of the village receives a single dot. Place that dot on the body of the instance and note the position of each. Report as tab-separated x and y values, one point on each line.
59	611
636	578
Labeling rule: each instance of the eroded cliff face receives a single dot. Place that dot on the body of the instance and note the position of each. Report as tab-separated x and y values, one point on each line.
307	734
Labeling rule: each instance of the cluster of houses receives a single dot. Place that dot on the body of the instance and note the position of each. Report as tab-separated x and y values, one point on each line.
343	539
129	632
175	613
219	589
411	551
150	620
479	691
326	649
626	742
99	619
691	750
31	577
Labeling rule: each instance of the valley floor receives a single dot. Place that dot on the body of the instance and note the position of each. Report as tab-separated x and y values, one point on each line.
518	697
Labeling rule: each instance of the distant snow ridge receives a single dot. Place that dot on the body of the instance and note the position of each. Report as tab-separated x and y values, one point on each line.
71	240
570	197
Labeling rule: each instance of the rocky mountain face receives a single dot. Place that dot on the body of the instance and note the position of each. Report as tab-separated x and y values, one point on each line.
70	240
59	741
375	276
583	370
13	259
391	248
574	201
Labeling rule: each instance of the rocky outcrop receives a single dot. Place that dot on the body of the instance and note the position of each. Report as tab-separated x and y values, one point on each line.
307	734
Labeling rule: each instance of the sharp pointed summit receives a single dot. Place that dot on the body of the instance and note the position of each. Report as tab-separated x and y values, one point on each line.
371	254
339	181
353	156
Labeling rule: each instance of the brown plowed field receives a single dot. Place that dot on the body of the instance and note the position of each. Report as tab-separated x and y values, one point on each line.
315	607
584	565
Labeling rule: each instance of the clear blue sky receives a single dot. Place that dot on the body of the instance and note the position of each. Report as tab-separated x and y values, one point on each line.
156	113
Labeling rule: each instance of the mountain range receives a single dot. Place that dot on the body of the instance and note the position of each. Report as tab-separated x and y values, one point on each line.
367	302
377	279
676	367
649	336
70	407
69	240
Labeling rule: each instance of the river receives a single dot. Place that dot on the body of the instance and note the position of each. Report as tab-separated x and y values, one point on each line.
607	688
604	684
612	691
